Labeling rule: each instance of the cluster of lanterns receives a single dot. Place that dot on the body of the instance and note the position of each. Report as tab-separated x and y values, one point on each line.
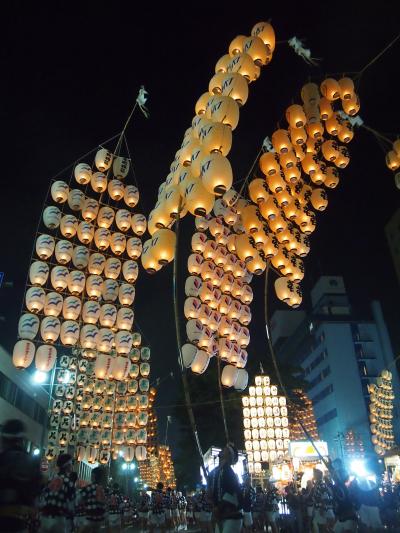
81	282
302	410
265	421
101	418
381	412
80	295
218	295
393	161
167	473
301	164
200	170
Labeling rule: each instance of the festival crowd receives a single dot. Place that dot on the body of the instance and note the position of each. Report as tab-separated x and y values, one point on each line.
330	502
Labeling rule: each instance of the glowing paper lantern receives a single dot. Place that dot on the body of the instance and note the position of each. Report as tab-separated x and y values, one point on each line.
83	173
59	191
45	358
23	354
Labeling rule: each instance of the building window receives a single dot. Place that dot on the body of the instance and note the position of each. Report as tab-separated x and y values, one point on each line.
322	375
22	401
318	360
323	394
326	417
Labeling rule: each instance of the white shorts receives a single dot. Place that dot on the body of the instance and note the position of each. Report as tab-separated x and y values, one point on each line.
144	514
370	516
205	516
247	519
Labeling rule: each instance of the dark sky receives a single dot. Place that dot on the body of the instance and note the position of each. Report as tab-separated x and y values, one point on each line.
71	72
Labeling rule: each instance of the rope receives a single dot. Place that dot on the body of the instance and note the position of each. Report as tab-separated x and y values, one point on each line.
245	180
221	399
373	60
278	374
185	383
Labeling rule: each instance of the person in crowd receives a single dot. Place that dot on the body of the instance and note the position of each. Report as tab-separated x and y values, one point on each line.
307	499
344	501
249	496
58	498
20	479
259	509
167	503
93	499
128	512
367	494
206	512
226	494
157	514
323	505
143	510
182	504
197	508
271	507
174	509
293	500
114	505
190	511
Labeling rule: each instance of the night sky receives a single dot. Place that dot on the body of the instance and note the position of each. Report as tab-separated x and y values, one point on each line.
71	73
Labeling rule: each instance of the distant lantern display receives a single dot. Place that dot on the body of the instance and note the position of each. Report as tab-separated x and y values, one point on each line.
265	425
381	412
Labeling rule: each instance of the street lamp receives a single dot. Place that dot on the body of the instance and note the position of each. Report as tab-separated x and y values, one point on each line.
36	451
39	377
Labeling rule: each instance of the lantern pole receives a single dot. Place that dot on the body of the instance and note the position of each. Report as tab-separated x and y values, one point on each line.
221	399
185	383
278	374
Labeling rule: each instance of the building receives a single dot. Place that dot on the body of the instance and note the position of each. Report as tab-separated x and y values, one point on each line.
392	230
20	398
340	354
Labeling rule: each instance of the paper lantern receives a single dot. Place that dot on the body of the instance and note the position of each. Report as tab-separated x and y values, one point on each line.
229	376
118	243
115	189
35	299
123	342
90	209
200	362
53	304
45	358
245	250
140	453
163	244
108	315
330	88
130	271
59	191
59	278
23	354
83	173
80	257
105	217
281	142
75	199
215	84
105	340
51	217
69	332
351	106
71	308
234	85
126	294
96	264
134	247
192	307
193	286
242	63
332	125
310	93
346	132
120	367
45	246
343	158
94	286
236	46
85	232
76	281
266	33
201	104
121	167
131	195
139	224
251	219
125	318
319	199
331	177
216	173
257	50
88	336
110	290
98	181
216	137
148	259
28	326
38	273
295	116
123	219
198	200
223	109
